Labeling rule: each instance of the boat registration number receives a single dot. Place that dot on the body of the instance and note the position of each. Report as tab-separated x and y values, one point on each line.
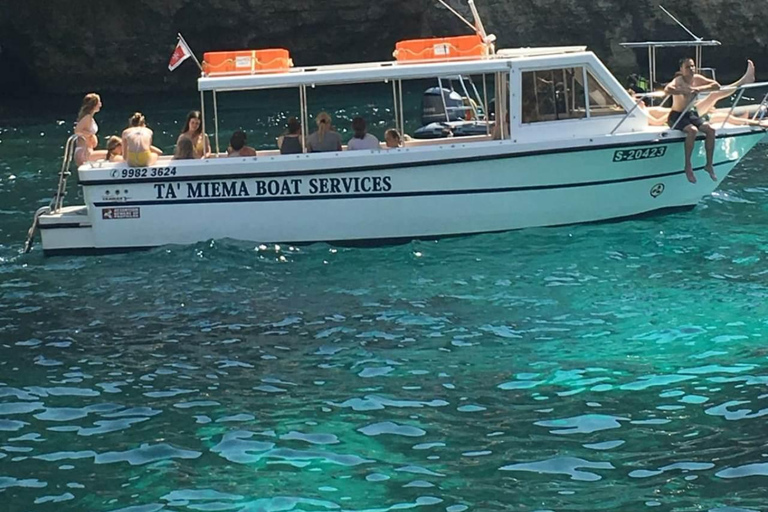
628	155
144	172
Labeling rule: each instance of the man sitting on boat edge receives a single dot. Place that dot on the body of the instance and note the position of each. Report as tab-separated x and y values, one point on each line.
684	89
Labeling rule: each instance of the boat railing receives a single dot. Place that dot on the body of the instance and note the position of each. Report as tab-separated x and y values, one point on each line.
639	97
760	112
761	109
739	91
57	202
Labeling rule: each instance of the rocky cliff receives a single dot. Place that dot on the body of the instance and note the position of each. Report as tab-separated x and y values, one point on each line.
77	46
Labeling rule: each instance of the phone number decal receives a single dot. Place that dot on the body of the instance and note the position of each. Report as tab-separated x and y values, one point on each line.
629	155
144	172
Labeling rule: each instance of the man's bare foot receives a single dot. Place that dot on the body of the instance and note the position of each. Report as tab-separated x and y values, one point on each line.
711	171
749	76
689	174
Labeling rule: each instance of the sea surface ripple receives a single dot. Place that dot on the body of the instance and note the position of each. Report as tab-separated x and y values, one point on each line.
616	366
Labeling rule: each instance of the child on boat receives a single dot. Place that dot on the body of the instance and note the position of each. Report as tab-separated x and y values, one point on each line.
114	149
185	149
237	145
392	139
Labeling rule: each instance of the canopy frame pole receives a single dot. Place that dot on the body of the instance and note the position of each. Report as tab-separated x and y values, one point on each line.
216	121
442	98
402	114
202	113
396	106
485	107
304	115
586	91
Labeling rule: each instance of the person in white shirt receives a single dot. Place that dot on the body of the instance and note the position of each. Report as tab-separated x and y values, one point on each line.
362	139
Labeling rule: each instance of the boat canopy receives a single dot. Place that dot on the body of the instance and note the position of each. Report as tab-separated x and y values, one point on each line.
382	71
698	44
670	44
517	53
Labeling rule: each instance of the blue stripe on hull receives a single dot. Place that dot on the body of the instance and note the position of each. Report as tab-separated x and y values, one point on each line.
395	194
365	168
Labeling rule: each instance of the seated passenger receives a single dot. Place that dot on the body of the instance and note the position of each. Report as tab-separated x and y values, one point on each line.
185	149
114	149
237	145
392	139
362	139
325	138
138	150
290	142
193	129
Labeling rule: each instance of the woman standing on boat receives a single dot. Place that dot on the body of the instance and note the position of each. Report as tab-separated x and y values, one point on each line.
193	130
138	150
86	129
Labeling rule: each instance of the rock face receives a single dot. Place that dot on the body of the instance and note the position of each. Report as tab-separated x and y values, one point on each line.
58	47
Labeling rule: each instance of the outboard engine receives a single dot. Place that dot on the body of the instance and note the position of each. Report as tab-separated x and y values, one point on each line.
432	110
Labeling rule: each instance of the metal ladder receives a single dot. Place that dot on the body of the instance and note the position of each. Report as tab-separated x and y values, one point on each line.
61	190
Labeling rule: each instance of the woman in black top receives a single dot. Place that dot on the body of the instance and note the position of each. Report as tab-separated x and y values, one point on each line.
290	143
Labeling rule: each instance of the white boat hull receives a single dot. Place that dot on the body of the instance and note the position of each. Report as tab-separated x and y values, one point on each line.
439	190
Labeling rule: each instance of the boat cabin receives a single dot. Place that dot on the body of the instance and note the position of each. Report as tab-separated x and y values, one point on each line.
537	94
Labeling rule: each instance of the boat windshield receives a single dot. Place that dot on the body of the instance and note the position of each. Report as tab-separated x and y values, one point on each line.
558	94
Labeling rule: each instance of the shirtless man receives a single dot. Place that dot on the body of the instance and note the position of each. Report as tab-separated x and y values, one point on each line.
684	89
657	116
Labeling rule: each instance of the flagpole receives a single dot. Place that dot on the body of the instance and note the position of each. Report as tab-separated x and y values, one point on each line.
184	42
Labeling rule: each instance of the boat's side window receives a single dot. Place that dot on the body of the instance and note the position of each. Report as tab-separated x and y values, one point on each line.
601	103
553	94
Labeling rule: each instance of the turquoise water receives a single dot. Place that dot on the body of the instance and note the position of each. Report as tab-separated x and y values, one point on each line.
617	366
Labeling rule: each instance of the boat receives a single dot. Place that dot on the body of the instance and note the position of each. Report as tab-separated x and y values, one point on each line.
570	145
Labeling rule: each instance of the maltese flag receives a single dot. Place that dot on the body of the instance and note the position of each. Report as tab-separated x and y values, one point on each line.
180	54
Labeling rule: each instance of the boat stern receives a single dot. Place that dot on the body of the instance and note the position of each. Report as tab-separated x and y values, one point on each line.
68	230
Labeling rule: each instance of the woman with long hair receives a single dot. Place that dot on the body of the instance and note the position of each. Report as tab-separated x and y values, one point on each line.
193	130
325	138
86	130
